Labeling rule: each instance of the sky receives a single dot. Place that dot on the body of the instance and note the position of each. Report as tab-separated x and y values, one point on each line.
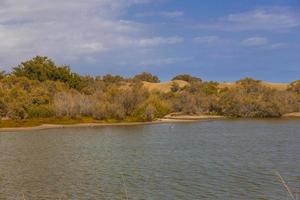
220	40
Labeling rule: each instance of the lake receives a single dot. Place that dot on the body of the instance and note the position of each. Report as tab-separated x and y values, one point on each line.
221	159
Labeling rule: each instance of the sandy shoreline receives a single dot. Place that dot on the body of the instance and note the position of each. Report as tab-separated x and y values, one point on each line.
295	114
166	119
192	117
53	126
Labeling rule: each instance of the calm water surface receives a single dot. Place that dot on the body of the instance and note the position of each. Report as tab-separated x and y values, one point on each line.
230	159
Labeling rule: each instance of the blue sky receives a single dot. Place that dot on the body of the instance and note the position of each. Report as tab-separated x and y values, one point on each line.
222	40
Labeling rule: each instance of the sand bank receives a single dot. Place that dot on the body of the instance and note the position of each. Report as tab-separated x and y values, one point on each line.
294	114
185	118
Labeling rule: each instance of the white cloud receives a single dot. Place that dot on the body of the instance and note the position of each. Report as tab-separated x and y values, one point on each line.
254	41
212	39
159	40
91	47
263	42
272	19
279	45
145	42
173	14
65	30
35	10
169	14
162	61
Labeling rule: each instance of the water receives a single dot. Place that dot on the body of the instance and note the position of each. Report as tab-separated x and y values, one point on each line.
226	159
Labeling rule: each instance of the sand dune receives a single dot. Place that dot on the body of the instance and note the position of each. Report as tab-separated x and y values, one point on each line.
277	86
166	86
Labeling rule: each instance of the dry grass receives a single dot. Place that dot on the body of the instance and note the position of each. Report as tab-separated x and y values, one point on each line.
166	86
163	86
276	86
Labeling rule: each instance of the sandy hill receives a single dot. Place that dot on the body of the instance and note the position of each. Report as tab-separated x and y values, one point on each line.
166	86
277	86
163	86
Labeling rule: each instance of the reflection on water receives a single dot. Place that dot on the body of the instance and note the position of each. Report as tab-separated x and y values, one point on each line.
230	159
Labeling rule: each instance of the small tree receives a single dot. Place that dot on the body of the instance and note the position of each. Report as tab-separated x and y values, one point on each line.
2	74
186	77
250	85
295	87
108	78
42	68
145	76
150	112
175	87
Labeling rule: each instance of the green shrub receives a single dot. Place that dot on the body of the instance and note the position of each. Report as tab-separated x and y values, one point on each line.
152	109
146	77
42	111
188	78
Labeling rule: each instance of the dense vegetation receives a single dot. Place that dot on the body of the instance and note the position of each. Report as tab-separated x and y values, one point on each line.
39	88
146	77
186	77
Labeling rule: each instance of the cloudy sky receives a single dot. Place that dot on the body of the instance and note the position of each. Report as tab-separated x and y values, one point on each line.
213	39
